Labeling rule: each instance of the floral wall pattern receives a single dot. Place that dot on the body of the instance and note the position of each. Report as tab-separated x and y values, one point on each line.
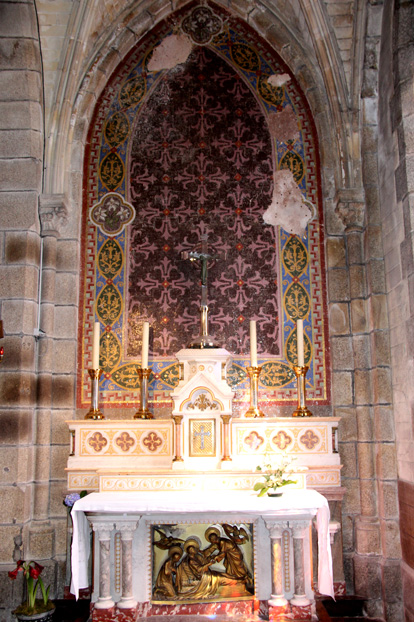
175	154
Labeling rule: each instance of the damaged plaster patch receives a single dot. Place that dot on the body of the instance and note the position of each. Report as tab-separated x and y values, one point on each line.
288	207
174	50
283	125
278	79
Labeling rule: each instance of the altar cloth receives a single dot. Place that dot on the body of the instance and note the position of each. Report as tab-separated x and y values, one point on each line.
290	505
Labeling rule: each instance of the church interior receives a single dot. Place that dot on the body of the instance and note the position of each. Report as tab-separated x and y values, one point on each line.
207	261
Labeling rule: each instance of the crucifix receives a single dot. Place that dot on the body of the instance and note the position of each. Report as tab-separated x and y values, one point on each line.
200	254
202	434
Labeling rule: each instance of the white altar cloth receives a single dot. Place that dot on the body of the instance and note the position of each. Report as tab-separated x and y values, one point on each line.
294	503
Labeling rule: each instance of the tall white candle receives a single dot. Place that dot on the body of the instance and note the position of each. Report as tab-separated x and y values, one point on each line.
145	345
253	344
299	339
95	345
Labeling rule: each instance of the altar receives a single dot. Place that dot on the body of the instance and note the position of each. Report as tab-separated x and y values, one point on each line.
123	569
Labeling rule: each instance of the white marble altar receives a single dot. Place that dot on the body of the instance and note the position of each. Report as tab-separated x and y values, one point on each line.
281	577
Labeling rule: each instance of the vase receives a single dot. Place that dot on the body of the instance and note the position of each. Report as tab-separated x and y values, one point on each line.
45	616
274	493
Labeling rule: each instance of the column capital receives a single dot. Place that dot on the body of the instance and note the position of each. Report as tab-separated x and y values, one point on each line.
102	529
53	214
276	528
126	528
299	527
350	207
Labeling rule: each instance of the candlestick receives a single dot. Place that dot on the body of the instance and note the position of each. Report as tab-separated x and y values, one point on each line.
145	345
95	345
143	412
254	410
302	410
94	412
253	344
299	342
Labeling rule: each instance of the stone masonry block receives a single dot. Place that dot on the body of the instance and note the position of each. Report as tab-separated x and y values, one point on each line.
338	285
19	353
341	350
60	433
19	54
64	357
42	463
21	173
18	388
391	541
359	317
384	423
63	390
386	460
11	503
7	535
368	541
361	346
335	252
379	313
357	281
339	318
58	491
67	255
19	316
347	429
16	426
363	389
366	460
381	348
40	543
66	289
388	500
347	452
382	385
22	247
342	388
20	85
354	248
352	498
21	144
59	458
66	320
19	210
18	20
20	281
365	423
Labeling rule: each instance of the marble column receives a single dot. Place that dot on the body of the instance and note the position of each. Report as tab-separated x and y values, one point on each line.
276	529
226	438
300	530
103	532
178	438
126	529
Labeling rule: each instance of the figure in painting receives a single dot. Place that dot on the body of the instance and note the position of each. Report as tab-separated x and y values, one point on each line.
164	588
228	551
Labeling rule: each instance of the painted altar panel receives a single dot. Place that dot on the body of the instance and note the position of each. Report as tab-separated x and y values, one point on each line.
174	154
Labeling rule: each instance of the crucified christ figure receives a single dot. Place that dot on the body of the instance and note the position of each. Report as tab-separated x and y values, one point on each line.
200	254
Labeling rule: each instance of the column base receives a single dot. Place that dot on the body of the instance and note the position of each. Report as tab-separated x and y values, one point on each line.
104	604
128	603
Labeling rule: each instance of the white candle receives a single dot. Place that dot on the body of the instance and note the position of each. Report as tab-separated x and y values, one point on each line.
95	345
299	339
253	344
145	345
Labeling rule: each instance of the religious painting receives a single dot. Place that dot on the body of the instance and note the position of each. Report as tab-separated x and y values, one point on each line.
177	157
202	562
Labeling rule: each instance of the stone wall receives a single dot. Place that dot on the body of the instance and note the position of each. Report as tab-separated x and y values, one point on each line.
396	116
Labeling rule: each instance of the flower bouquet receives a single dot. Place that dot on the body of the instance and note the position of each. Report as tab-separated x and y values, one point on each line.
33	608
274	476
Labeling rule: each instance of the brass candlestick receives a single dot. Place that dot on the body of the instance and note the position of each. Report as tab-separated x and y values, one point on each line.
254	410
143	412
94	412
302	410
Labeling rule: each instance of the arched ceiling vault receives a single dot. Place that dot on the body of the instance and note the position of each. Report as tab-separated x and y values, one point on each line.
100	34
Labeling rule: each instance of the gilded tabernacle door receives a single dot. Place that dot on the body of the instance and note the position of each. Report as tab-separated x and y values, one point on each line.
201	562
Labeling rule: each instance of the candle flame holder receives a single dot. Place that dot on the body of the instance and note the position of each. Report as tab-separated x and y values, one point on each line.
143	412
302	410
254	410
94	412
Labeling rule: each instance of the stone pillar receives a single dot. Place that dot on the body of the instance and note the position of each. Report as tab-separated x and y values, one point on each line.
276	529
300	530
103	532
126	529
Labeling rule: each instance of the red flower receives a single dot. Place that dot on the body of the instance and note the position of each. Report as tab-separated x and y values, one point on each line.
35	570
13	573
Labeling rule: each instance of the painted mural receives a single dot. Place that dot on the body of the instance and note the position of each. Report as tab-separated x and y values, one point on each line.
177	154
